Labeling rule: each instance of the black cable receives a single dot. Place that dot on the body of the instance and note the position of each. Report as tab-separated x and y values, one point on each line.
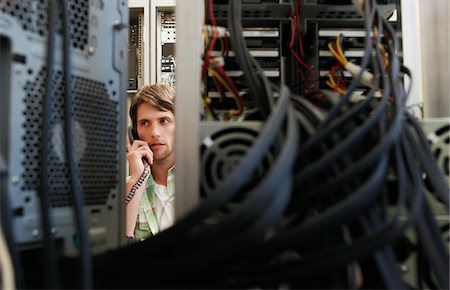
338	150
244	59
261	196
433	246
369	16
308	116
248	164
343	145
281	172
432	226
408	72
325	159
333	257
231	185
77	195
50	269
260	73
338	123
398	109
233	247
401	186
259	212
308	168
397	123
428	161
345	117
314	263
424	270
427	230
384	258
361	165
337	214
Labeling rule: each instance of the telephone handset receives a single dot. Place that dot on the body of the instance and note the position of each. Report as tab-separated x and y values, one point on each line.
132	134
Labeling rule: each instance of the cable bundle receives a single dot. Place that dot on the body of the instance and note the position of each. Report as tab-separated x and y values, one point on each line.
339	201
359	186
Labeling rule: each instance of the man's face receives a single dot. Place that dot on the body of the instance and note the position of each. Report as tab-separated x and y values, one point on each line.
157	128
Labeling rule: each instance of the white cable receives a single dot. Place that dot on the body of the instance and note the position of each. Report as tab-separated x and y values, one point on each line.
6	267
220	60
173	61
221	31
368	79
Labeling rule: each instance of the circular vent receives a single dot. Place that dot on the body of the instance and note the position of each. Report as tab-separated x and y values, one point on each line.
222	151
95	118
33	17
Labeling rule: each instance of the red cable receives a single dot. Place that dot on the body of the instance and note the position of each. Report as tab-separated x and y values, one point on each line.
213	40
231	84
300	42
296	26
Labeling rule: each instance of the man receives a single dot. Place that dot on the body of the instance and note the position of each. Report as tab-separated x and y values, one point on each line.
151	156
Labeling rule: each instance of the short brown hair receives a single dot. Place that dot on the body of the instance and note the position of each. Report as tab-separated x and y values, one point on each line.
160	96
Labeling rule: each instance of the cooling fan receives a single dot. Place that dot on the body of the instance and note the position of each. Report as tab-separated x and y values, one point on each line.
437	131
222	148
438	134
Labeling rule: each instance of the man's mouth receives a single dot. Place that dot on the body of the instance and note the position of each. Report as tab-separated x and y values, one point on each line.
156	146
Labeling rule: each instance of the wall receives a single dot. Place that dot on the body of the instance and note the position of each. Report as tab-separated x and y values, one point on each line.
435	40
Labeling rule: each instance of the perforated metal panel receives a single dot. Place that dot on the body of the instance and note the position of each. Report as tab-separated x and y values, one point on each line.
96	137
97	85
32	15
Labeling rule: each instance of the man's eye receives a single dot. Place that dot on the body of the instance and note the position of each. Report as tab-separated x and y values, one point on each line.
145	123
164	121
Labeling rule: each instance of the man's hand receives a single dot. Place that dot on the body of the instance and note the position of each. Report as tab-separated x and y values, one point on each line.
136	152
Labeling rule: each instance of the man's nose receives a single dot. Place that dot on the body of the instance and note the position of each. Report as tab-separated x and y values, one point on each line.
155	130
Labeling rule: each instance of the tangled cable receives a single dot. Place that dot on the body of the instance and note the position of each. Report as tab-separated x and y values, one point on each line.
344	189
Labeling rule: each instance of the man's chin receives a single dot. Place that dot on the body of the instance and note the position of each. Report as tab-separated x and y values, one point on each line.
159	156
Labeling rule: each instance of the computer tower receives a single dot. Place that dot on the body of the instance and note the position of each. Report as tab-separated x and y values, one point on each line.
98	82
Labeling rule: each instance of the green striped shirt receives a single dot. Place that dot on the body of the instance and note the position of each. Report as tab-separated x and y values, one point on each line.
146	223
